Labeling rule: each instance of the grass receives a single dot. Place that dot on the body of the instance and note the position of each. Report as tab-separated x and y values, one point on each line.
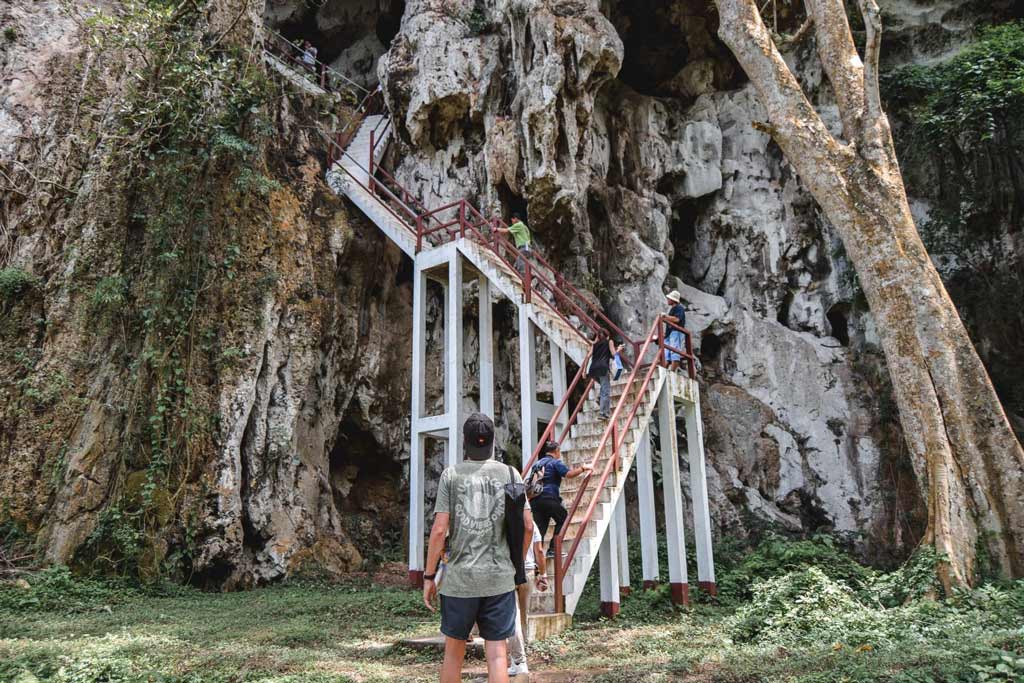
809	617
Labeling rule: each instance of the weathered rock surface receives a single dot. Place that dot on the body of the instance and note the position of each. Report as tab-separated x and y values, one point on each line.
622	130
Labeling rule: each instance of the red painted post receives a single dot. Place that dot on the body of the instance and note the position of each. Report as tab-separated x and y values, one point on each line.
615	449
370	163
462	218
689	356
419	233
559	575
661	343
527	279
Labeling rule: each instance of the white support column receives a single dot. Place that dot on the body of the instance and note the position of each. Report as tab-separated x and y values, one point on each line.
453	358
417	446
559	383
527	382
486	327
675	530
609	566
648	520
623	544
699	496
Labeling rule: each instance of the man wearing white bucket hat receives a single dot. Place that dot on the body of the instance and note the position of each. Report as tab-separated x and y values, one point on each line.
673	337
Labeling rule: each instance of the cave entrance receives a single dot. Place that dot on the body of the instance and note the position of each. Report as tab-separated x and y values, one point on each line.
367	490
655	48
839	320
335	27
390	22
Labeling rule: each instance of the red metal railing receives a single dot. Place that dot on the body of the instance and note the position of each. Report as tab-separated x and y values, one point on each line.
294	55
540	281
613	437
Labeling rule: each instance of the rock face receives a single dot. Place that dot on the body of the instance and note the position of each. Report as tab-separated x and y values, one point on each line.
635	194
623	132
626	133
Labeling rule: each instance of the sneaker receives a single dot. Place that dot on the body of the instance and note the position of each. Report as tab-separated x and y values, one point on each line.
518	669
549	554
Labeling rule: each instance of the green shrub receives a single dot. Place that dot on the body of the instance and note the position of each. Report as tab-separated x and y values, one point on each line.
14	282
806	607
10	33
109	294
56	590
776	556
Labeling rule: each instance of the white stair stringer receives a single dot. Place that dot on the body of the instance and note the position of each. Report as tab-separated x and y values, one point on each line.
296	78
586	433
355	163
508	283
585	437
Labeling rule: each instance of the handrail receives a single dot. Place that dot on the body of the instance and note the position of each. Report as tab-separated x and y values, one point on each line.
617	437
560	292
558	411
324	68
401	204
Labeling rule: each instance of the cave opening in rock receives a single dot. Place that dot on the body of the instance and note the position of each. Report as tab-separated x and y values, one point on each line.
710	348
683	231
787	303
839	320
404	274
655	49
514	204
390	21
335	26
367	488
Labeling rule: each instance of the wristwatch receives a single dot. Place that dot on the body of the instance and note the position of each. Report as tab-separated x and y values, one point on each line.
429	577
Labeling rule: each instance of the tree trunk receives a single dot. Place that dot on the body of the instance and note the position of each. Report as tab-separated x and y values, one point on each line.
964	453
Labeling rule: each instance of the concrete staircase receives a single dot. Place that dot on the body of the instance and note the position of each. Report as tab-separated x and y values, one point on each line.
580	449
349	176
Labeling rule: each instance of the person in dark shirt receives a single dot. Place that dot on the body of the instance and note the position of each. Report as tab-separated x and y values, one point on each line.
674	337
548	505
600	370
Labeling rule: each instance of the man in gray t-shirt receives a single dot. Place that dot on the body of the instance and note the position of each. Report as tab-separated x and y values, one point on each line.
479	579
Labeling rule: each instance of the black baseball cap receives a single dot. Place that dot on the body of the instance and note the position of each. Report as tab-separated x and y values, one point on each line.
549	446
478	432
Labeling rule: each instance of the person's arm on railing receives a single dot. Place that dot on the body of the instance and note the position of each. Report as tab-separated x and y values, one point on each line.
575	471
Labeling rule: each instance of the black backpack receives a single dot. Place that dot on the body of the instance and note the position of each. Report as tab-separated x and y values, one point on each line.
515	528
535	481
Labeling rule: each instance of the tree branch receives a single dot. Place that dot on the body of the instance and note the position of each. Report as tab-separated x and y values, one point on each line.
795	124
876	135
798	37
840	59
872	51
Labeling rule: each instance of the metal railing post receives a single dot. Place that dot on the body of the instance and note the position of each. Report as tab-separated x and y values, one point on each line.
419	233
528	278
689	356
559	576
370	164
661	343
462	218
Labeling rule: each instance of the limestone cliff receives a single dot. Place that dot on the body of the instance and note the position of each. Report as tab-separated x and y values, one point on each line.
623	130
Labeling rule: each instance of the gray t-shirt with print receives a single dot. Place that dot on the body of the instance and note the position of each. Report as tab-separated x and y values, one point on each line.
473	493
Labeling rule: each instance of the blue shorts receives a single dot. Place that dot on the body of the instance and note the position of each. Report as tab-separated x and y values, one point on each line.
495	615
675	340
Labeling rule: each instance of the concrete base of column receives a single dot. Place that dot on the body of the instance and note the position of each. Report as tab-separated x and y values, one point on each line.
680	593
709	587
650	585
416	578
609	609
